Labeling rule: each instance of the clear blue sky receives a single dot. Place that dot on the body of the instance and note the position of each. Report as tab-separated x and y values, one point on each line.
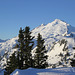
20	13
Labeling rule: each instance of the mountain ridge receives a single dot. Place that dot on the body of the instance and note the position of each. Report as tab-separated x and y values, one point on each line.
3	40
60	26
51	32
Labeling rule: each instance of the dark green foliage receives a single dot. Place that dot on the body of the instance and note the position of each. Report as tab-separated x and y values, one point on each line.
22	59
60	63
21	48
67	53
0	57
21	36
40	57
28	46
18	61
63	41
64	56
54	66
11	64
24	56
5	73
72	62
16	46
61	55
74	47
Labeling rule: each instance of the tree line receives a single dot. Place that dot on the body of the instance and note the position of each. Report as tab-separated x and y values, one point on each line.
22	59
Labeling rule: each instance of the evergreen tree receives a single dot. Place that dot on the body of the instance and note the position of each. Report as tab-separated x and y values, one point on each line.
73	59
0	57
72	62
40	57
28	46
64	56
23	55
21	49
18	60
11	64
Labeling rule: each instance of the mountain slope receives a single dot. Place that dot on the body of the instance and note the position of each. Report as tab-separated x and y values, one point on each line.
52	33
53	29
2	40
57	71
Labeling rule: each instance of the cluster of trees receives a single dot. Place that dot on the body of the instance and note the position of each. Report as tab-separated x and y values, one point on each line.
65	59
65	55
73	59
22	59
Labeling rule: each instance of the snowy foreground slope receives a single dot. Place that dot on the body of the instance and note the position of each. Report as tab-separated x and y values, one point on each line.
32	71
56	71
52	33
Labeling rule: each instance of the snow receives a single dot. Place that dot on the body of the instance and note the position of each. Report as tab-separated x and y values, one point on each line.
51	29
52	33
2	40
53	58
7	49
56	71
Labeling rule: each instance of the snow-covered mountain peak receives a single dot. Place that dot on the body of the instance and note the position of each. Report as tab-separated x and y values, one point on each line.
51	32
57	27
59	22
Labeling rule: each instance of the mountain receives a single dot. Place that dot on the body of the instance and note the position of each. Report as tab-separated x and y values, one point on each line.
2	40
53	33
53	29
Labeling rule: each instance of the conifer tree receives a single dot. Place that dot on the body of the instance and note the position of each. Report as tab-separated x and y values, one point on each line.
0	57
28	46
23	55
40	57
21	49
64	56
72	62
11	64
66	53
73	59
